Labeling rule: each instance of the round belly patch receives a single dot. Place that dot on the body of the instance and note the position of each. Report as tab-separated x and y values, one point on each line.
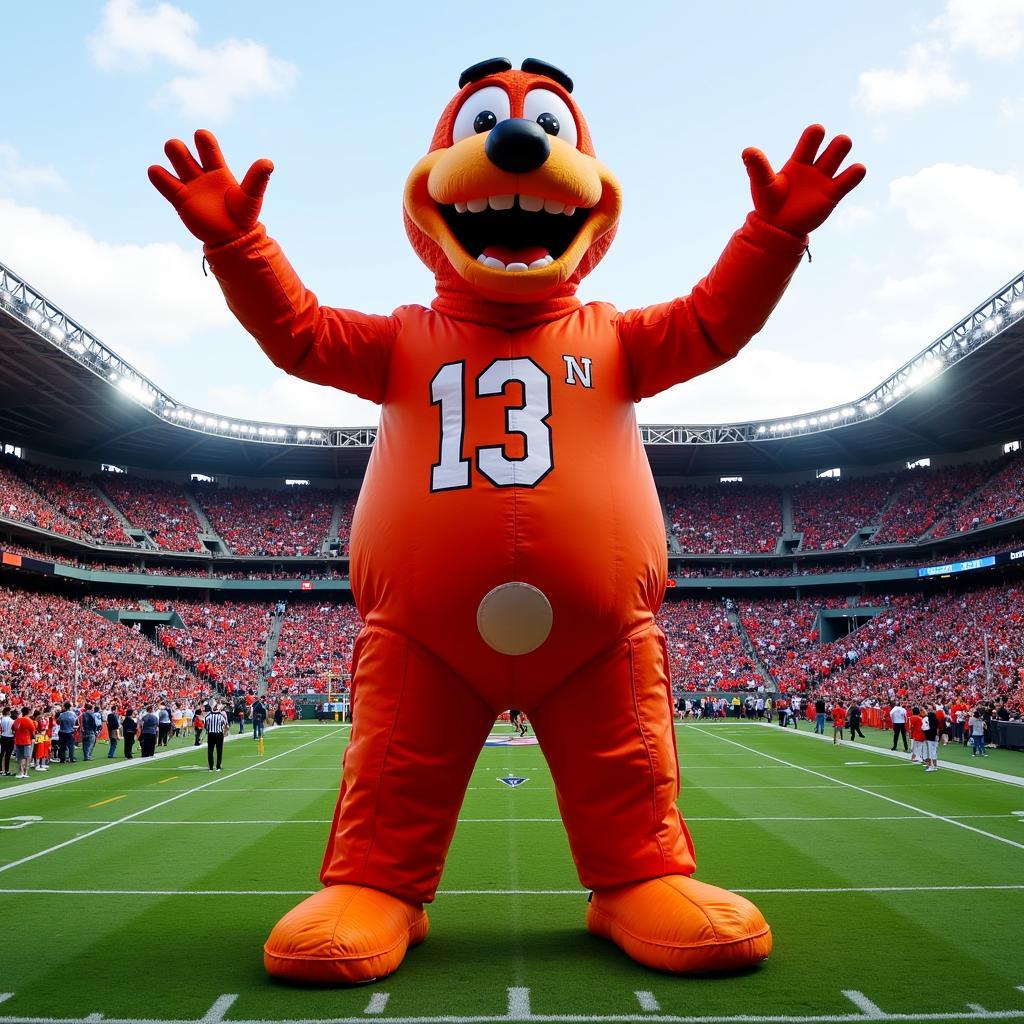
514	618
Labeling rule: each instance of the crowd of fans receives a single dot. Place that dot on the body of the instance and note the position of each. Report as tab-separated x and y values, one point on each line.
39	649
725	519
1000	498
927	496
315	646
19	501
704	650
224	643
271	522
829	511
76	498
158	507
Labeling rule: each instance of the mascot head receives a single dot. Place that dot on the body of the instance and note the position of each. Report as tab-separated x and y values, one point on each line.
510	201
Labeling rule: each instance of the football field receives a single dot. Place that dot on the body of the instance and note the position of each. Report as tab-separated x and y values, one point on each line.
145	893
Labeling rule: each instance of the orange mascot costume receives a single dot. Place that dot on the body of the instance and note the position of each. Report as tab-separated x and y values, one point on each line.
508	548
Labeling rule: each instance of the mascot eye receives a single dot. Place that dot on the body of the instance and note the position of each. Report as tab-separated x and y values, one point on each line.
549	123
481	111
552	113
484	121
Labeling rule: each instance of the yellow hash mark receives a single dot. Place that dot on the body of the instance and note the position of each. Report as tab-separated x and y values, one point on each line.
108	801
168	779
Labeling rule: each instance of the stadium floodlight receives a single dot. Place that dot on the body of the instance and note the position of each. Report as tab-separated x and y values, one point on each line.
833	416
801	424
77	347
871	407
848	411
224	424
35	316
1017	306
761	429
301	435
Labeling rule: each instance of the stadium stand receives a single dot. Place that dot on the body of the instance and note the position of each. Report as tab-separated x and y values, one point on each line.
158	507
724	518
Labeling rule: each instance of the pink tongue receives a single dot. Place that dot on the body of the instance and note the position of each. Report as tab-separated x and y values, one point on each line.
507	255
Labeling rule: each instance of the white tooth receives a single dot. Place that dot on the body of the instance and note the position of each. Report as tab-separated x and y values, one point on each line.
460	207
477	205
490	261
569	211
553	206
531	203
516	268
542	262
502	202
548	259
482	259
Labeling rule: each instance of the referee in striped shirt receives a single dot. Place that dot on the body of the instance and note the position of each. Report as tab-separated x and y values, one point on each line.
216	726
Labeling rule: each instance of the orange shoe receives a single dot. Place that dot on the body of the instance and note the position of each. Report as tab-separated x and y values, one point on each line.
681	925
343	935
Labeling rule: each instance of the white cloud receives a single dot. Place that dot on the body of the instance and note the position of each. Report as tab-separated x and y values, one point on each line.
762	382
853	216
925	78
136	298
207	81
970	221
16	175
290	400
992	28
1012	109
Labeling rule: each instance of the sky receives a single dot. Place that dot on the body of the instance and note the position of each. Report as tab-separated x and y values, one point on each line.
343	97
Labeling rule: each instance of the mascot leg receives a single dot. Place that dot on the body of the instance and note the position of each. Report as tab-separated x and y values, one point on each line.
617	779
416	735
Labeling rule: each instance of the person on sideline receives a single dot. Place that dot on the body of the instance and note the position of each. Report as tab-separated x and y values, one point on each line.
6	741
976	726
216	727
820	710
149	731
129	727
67	722
853	717
24	733
838	722
113	731
89	733
898	717
930	726
917	748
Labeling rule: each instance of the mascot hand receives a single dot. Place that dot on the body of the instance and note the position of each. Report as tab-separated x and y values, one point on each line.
210	202
802	195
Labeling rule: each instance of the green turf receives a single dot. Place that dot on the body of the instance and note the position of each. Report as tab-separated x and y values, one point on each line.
768	810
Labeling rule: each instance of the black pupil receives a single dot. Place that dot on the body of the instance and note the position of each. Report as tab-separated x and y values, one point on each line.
549	123
484	121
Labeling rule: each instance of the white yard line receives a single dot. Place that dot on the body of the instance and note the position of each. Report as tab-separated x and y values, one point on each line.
118	764
377	1002
153	807
880	796
515	821
816	891
964	769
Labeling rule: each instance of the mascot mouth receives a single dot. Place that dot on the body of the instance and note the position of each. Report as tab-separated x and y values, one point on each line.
514	233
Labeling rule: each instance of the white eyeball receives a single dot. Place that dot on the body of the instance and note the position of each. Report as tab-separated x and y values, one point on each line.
481	111
552	113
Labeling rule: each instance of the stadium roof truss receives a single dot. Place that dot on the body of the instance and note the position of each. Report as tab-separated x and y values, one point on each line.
979	357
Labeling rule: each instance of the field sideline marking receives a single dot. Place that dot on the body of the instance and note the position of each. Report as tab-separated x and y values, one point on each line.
145	810
868	792
953	766
109	800
92	773
817	891
516	821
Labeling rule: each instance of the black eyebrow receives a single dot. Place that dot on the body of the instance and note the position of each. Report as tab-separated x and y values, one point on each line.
493	66
539	67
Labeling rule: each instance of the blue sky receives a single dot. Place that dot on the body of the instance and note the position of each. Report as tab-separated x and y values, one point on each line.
344	98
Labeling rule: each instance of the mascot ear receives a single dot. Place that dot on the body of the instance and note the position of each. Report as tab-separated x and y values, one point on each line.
539	67
493	66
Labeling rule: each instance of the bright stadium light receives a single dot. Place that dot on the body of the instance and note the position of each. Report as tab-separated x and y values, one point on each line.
761	429
35	316
1017	306
833	416
77	347
871	407
223	424
848	411
302	435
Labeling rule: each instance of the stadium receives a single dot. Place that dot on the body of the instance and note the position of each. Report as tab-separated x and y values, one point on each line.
155	553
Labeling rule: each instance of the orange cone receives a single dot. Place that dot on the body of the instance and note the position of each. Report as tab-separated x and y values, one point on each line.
344	934
681	925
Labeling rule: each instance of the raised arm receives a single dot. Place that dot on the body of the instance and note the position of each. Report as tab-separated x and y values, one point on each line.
675	341
336	347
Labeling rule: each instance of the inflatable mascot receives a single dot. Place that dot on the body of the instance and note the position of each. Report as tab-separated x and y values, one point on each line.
508	548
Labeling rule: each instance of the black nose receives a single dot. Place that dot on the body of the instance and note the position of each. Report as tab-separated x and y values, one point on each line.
517	145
